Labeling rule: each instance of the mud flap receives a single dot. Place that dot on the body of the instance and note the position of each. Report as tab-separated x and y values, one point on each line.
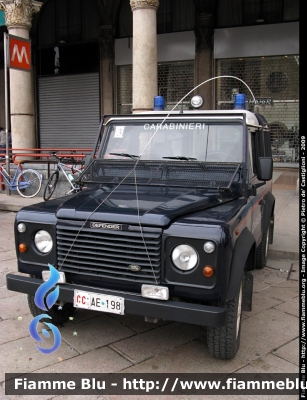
247	291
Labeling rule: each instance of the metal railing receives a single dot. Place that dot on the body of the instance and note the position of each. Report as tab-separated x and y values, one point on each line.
42	156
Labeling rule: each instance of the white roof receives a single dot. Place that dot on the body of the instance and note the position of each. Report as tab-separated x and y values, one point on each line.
251	118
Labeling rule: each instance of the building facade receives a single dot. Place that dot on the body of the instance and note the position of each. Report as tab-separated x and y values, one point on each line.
97	57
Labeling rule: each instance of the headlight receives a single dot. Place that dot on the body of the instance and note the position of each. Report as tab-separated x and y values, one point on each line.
43	241
184	257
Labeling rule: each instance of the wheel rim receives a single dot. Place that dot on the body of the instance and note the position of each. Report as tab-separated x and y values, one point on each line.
29	183
239	311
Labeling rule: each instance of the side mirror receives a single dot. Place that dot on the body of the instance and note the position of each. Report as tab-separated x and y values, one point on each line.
265	168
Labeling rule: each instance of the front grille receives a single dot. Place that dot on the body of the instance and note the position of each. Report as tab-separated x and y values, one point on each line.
107	254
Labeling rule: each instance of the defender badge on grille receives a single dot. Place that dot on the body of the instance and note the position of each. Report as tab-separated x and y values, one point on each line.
104	225
135	268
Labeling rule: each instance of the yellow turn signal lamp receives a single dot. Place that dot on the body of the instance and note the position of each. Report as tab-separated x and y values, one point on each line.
208	271
22	248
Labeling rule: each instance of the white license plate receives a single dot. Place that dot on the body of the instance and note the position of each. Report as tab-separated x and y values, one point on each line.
99	302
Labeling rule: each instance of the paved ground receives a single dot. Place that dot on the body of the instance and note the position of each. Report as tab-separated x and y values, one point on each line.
93	342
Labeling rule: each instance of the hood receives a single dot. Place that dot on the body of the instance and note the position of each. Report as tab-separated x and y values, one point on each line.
150	205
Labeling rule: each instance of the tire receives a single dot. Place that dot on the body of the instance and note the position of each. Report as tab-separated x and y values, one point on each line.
58	316
223	342
262	251
29	183
51	185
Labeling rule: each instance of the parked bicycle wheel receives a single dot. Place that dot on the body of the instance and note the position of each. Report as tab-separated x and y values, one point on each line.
29	183
51	185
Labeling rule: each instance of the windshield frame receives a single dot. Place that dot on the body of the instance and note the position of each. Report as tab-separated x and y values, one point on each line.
236	121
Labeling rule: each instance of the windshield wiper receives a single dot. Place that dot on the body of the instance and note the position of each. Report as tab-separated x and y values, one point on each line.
125	155
180	158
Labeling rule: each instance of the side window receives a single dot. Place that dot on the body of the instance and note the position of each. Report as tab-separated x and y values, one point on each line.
251	160
253	150
259	146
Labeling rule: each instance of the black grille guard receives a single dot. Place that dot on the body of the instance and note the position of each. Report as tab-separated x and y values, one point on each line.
162	173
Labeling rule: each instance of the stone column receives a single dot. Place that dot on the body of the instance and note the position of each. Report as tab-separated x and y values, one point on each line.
145	69
18	16
204	58
106	42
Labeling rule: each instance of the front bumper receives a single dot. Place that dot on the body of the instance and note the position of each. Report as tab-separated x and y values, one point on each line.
170	310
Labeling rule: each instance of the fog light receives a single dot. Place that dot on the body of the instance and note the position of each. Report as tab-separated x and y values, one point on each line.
46	276
22	248
208	271
209	247
155	292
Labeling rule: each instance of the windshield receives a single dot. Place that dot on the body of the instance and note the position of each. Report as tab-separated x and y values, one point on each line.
174	140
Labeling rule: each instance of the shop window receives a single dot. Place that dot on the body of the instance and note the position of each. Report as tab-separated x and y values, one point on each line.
267	144
173	80
277	82
274	82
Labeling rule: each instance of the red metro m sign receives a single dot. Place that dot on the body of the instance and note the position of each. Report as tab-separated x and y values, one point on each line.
20	53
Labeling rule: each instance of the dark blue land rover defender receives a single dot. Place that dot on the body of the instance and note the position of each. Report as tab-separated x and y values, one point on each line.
176	209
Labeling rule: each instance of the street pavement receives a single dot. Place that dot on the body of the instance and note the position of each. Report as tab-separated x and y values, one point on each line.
104	343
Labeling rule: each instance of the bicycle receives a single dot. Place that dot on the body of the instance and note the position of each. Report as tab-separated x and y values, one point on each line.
54	178
27	182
